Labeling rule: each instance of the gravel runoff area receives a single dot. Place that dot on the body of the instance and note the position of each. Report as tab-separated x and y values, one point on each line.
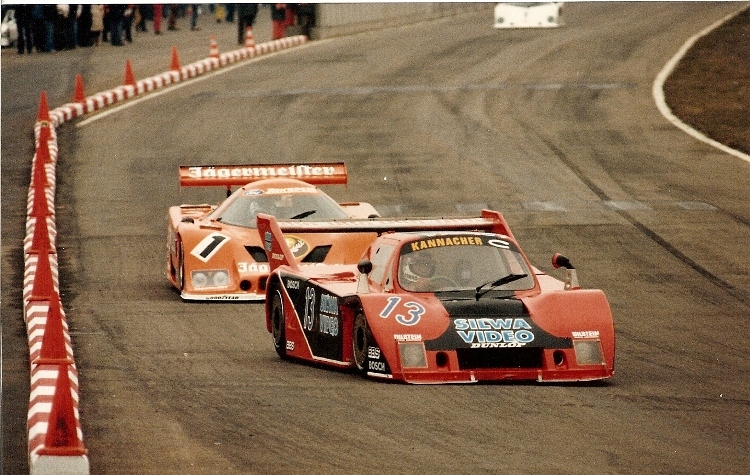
710	87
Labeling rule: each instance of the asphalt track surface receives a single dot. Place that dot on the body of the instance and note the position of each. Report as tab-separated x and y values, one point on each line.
555	128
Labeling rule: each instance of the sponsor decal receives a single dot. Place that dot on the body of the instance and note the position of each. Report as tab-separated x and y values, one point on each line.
378	366
494	332
289	345
298	246
268	241
209	246
198	173
586	334
292	284
294	190
407	337
373	352
244	267
253	192
223	297
447	241
329	325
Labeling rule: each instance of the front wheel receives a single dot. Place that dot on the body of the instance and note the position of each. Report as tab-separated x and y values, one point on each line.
278	322
360	342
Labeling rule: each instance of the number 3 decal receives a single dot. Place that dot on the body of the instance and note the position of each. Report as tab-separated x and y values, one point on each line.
413	309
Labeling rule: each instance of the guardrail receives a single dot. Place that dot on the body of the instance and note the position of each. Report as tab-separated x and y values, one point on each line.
55	437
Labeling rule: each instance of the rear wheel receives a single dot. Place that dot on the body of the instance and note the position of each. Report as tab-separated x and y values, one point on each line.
360	342
278	320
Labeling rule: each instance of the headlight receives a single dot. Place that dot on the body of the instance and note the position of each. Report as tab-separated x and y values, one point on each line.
210	278
588	352
412	355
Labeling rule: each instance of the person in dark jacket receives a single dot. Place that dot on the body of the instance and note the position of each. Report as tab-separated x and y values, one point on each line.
23	24
246	13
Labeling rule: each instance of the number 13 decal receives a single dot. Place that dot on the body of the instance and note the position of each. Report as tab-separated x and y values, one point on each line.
414	311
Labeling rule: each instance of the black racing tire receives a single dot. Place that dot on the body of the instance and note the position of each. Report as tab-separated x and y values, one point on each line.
181	264
360	342
278	323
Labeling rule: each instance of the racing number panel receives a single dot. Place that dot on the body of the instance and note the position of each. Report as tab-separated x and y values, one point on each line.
318	315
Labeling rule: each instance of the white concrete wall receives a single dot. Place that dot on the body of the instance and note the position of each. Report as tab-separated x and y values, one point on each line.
339	19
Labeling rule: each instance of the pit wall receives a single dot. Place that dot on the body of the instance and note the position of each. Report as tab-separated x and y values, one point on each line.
340	19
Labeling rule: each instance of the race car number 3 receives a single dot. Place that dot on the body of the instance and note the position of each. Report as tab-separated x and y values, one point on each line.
413	311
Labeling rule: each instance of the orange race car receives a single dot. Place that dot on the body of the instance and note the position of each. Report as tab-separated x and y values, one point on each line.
215	253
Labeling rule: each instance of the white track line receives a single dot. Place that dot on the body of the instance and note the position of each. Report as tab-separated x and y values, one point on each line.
658	91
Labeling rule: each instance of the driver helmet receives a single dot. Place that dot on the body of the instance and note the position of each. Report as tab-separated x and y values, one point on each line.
418	265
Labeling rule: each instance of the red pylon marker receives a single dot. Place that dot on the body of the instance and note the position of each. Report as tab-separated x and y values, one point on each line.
42	287
213	49
175	66
62	428
43	114
249	38
54	349
129	77
40	243
79	95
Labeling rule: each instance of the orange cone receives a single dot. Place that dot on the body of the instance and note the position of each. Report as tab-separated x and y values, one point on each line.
249	38
43	114
213	49
79	95
62	428
42	287
175	66
54	350
129	77
40	243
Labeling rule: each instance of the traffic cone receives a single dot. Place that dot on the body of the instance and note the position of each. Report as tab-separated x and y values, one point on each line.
249	38
40	243
129	77
213	49
62	427
42	287
175	66
43	114
79	95
54	349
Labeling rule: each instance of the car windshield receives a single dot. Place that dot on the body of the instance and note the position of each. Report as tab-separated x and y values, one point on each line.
243	210
462	262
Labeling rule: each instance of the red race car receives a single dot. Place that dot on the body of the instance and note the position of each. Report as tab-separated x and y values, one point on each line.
214	252
435	301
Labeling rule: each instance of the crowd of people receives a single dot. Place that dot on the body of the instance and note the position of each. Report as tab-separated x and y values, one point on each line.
49	28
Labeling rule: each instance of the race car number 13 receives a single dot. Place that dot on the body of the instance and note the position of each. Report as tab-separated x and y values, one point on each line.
413	310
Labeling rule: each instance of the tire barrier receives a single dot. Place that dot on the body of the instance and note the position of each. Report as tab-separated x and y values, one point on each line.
55	436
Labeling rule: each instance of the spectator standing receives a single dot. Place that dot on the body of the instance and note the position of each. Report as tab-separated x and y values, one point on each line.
74	14
127	23
306	17
278	20
231	7
37	25
25	40
84	26
246	13
97	24
145	12
194	17
116	19
158	12
50	15
173	17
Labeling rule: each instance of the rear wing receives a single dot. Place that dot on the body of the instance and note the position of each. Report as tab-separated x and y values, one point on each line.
272	231
239	175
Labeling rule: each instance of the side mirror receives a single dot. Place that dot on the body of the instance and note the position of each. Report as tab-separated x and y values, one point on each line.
571	276
364	267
